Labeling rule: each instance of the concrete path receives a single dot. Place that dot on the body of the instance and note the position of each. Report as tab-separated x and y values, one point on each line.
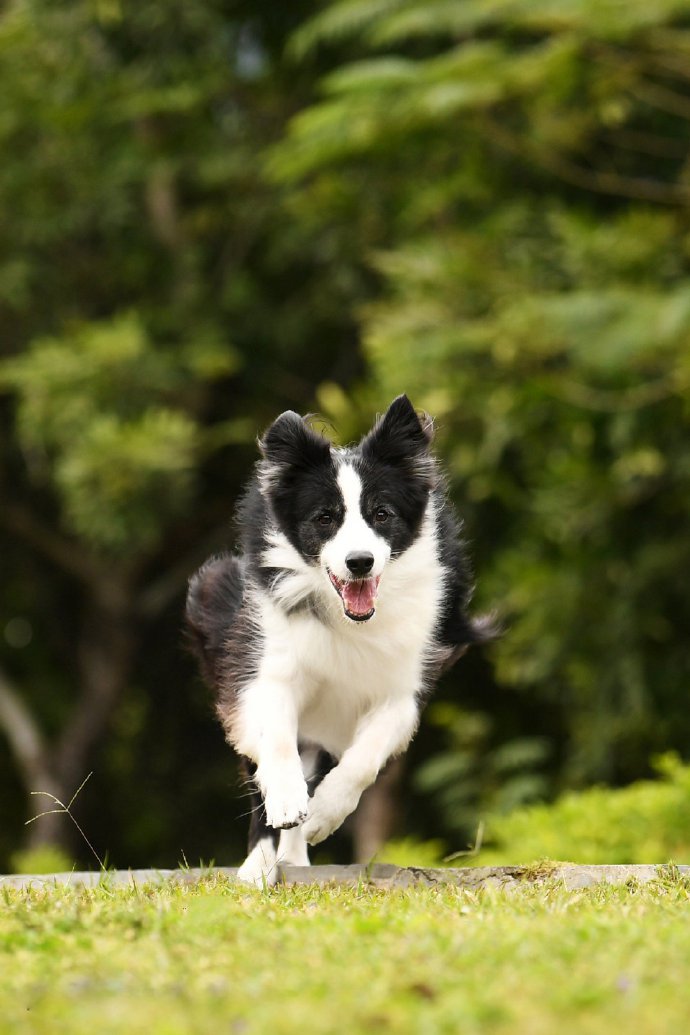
379	875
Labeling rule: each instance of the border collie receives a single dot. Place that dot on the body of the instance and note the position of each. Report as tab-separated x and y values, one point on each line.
323	637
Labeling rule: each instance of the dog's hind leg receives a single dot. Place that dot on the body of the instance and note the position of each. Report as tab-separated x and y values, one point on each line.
292	847
260	868
269	848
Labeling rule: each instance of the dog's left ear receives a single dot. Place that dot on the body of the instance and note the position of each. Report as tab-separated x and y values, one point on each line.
400	435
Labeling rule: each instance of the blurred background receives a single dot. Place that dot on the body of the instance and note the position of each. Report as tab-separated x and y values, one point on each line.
215	211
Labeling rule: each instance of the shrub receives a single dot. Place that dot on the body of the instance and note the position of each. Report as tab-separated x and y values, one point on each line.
46	859
646	822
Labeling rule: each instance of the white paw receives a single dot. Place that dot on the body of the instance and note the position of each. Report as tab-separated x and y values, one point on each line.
292	848
286	803
327	810
260	868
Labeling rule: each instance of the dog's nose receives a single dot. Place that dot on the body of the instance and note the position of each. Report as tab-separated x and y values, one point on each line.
360	563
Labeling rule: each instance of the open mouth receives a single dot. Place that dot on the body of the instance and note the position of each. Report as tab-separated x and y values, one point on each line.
358	596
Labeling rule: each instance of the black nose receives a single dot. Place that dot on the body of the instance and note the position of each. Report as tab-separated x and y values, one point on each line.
360	564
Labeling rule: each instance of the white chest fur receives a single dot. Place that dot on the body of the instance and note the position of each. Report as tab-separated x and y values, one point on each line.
338	670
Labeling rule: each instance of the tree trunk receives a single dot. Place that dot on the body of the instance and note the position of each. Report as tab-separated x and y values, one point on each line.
375	820
33	762
104	656
105	653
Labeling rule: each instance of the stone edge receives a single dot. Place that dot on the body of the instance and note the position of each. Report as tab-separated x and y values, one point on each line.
382	875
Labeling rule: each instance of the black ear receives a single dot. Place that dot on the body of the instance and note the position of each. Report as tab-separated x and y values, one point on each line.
291	442
400	435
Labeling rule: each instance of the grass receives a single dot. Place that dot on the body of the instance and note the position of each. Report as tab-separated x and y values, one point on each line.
213	957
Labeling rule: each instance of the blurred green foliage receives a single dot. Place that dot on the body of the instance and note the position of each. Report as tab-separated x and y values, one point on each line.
646	822
408	851
46	859
214	212
97	417
471	775
528	168
160	303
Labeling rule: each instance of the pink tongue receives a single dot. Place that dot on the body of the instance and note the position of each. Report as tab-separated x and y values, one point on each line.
359	597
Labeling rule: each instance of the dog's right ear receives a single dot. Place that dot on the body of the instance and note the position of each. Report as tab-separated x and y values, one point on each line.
290	442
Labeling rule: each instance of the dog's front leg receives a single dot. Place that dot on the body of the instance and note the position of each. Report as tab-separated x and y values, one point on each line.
268	735
381	733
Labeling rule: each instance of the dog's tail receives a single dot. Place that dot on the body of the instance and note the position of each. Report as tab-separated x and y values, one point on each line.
486	628
214	597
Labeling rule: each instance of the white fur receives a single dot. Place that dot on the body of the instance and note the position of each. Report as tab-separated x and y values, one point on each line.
292	848
348	687
301	580
260	867
354	535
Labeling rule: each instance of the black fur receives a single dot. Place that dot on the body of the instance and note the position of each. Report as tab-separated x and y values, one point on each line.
214	598
295	491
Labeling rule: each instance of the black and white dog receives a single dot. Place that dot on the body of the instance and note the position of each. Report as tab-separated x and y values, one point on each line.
324	636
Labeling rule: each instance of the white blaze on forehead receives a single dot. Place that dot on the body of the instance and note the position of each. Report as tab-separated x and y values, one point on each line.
354	535
351	487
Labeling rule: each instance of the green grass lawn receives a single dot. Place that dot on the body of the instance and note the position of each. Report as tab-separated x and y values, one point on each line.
215	958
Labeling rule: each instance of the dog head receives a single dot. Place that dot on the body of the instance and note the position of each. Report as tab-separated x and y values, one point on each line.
348	512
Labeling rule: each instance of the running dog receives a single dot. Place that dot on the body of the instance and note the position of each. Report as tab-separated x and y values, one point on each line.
324	635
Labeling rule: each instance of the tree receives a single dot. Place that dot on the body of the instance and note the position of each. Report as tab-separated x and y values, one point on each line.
517	176
160	305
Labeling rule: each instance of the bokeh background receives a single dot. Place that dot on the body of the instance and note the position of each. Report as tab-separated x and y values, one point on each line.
214	211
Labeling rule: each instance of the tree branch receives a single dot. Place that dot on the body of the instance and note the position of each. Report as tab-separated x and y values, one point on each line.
161	205
70	557
595	180
647	143
662	98
621	400
161	592
105	652
24	736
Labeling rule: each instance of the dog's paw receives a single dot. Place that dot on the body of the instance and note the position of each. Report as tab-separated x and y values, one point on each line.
260	868
327	811
286	803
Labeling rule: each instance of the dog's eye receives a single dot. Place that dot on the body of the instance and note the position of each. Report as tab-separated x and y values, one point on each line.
381	515
325	518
